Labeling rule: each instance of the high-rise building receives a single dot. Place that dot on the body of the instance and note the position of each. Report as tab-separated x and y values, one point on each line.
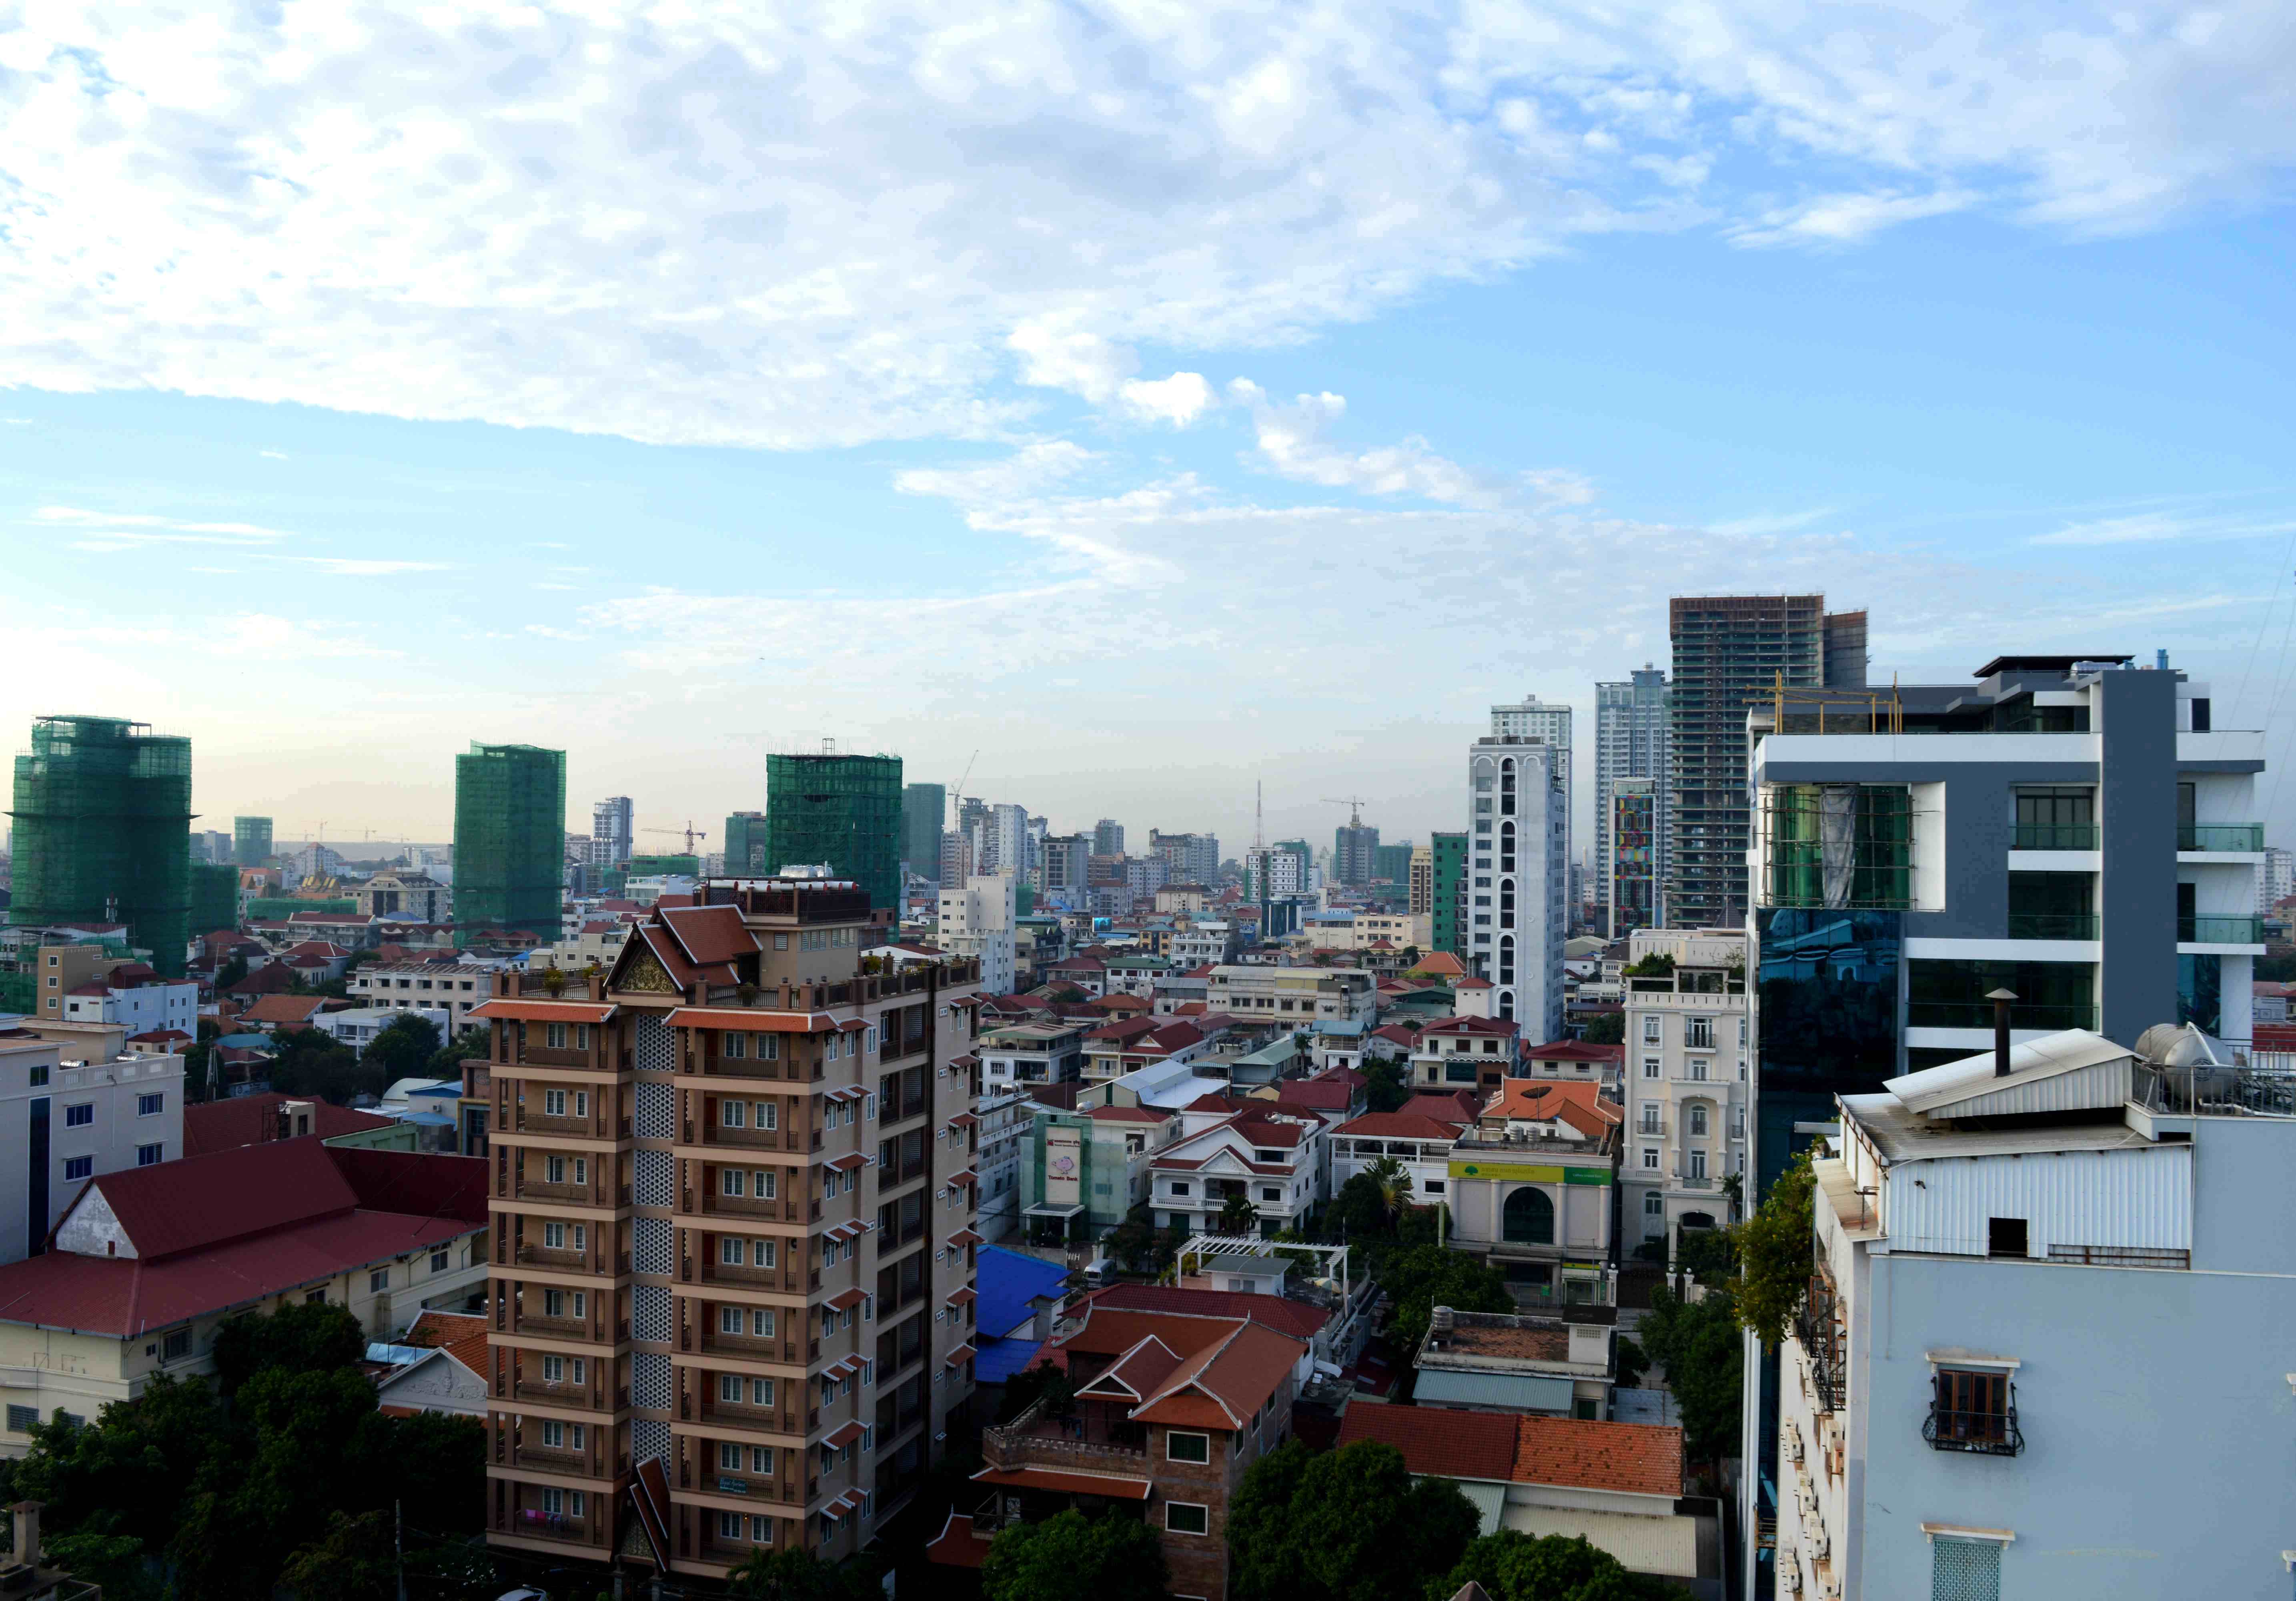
745	844
1392	863
1067	857
510	838
1006	841
925	812
215	898
1108	837
976	922
1189	858
1271	870
956	858
1420	891
1354	852
1448	885
1630	883
1534	718
251	840
613	835
1633	738
1732	652
728	1220
2278	880
212	845
844	810
103	832
1519	878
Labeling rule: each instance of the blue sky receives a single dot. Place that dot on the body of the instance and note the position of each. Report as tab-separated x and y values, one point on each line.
1156	403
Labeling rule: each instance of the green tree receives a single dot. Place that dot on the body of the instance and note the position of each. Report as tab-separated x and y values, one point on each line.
310	1063
1357	1213
1419	1278
1392	1181
137	1460
230	973
1071	1557
111	1561
354	1561
1605	1028
305	1337
1776	1250
1345	1525
792	1573
1388	1086
1698	1344
1045	1382
404	1049
1132	1242
1238	1215
1524	1567
1658	965
474	1039
1633	1362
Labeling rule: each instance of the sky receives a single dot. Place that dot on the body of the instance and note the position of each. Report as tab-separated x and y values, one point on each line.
1131	403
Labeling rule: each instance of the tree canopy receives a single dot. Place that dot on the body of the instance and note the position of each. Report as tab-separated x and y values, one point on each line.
403	1049
1523	1567
1419	1278
1775	1247
1605	1028
1387	1086
1345	1525
1072	1557
1698	1344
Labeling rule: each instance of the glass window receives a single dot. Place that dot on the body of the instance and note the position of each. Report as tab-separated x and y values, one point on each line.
79	1116
734	1114
148	1156
149	1105
1183	1517
1187	1447
733	1181
78	1167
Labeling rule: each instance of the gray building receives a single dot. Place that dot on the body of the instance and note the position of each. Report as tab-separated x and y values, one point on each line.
1354	852
67	1120
925	808
613	832
1108	837
1632	739
1534	718
1189	858
1983	1394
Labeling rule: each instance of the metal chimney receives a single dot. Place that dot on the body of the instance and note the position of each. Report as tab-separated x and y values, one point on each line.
2001	1000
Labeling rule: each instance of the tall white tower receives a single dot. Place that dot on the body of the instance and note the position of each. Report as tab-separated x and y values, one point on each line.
1518	877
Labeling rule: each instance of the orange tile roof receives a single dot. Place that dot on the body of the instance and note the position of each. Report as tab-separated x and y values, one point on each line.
462	1336
1641	1458
1444	1442
1238	1376
1045	1478
1579	1104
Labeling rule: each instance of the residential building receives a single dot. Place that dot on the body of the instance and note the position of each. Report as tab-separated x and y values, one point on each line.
1031	1054
1290	997
1277	1163
1204	943
403	893
101	830
1392	864
66	1122
956	858
148	1262
1145	876
1419	881
1354	852
510	829
1170	1412
1518	915
614	832
1063	873
1688	1094
1115	1048
214	895
1633	861
1539	1366
2071	829
1003	1113
1272	870
1634	739
925	809
1006	840
1081	1172
733	1200
1580	1061
1447	890
456	987
1420	1142
357	1026
440	1367
1467	1052
976	923
1531	1187
132	998
1108	837
2277	879
1188	857
1729	651
1618	1486
844	810
746	846
251	840
2002	1257
1549	725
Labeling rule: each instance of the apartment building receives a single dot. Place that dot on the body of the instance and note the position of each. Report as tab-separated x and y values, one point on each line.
1032	1053
2039	1353
1188	858
1277	1163
1003	1118
64	1123
1519	880
1634	743
2072	830
1467	1053
135	999
1688	1094
1204	943
457	988
733	1195
1294	997
1549	724
977	924
1082	1172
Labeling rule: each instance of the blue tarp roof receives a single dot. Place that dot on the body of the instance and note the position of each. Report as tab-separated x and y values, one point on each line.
1007	1281
995	1360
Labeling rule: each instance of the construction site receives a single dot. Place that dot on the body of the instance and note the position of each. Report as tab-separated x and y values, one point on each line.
841	809
509	839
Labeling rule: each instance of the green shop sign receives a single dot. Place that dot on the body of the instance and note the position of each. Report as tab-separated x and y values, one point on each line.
1528	1173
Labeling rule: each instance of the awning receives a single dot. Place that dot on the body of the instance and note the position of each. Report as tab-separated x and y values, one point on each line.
846	1298
525	1010
965	1236
1045	1208
959	1356
844	1505
846	1231
1065	1484
749	1020
843	1437
963	1120
846	1162
962	1295
843	1368
967	1176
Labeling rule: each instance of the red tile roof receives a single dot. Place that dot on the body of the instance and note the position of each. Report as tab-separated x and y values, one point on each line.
461	1335
958	1545
1441	1441
1641	1458
292	1011
711	935
1399	1125
1450	1106
1222	1386
1575	1050
1537	1100
1045	1478
1441	964
225	1125
1126	1114
1318	1095
1296	1318
1472	1025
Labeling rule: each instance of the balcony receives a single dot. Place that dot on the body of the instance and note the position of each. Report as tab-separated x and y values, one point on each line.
2052	925
2236	838
786	1209
571	1194
2054	836
751	1139
551	1525
1094	1438
775	1420
593	1397
543	1055
2219	931
1987	1433
522	1121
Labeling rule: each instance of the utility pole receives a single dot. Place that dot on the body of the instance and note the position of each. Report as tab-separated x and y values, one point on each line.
399	1545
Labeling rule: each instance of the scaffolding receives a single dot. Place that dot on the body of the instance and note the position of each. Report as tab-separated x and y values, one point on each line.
251	840
509	839
215	898
841	809
102	819
1839	845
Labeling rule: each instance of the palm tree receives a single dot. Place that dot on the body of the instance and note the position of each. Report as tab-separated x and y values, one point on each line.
1238	1215
1394	1186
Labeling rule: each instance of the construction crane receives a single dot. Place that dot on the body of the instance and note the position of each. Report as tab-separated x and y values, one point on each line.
956	795
1357	802
692	835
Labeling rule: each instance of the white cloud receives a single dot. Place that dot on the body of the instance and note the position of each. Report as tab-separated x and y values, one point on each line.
1294	443
1037	463
1179	399
1774	522
804	224
2151	528
122	529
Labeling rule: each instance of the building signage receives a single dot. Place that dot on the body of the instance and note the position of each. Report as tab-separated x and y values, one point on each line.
1530	1173
1064	1167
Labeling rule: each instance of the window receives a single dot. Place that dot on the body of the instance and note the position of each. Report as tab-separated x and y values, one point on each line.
378	1281
1187	1447
1698	1119
315	1298
732	1114
731	1251
38	1076
1965	1569
762	1253
149	1156
1973	1409
79	1116
729	1526
761	1393
177	1346
1653	1030
733	1181
730	1389
1269	1191
729	1456
553	1103
20	1419
761	1459
1649	1157
730	1320
1700	1033
1698	1164
1178	1187
761	1322
732	1044
149	1106
1650	1119
438	1262
769	1115
1649	1067
1653	1205
1183	1517
78	1167
553	1034
765	1184
2006	1236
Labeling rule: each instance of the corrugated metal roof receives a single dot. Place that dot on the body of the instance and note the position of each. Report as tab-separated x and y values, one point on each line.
1642	1545
2141	1196
1528	1392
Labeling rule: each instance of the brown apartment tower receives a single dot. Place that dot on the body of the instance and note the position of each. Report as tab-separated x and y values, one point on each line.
1731	651
733	1253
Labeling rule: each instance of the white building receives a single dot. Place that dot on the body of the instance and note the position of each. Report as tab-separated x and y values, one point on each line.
356	1026
1550	725
1277	1163
141	1005
1420	1143
1203	944
977	920
1518	875
64	1123
1688	1049
2277	881
2041	1350
612	831
1005	1115
454	988
1294	998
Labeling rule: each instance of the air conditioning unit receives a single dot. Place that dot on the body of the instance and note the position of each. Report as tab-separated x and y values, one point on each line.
1792	1578
1793	1445
1822	1547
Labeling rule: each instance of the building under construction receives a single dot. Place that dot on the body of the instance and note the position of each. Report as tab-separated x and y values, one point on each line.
843	811
251	840
1730	652
509	839
103	817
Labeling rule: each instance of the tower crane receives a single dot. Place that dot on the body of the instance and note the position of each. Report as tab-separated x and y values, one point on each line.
692	835
1355	803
